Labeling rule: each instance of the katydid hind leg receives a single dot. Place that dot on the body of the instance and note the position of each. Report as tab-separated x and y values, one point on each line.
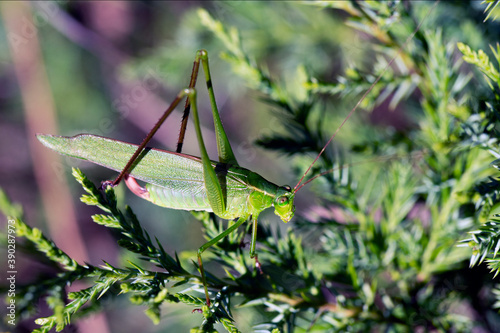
224	149
213	188
187	106
146	140
168	111
214	183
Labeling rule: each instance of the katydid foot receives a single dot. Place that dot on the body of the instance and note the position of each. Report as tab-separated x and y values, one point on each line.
105	184
257	264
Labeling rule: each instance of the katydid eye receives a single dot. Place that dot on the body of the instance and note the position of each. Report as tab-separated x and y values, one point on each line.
282	200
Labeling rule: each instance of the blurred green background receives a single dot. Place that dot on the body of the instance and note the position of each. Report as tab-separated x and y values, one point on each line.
111	67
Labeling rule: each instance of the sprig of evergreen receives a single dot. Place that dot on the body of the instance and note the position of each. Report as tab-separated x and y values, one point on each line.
485	240
144	286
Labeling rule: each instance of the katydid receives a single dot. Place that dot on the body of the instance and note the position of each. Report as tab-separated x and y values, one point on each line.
186	182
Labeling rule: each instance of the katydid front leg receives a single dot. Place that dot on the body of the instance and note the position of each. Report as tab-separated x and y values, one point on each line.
253	244
208	244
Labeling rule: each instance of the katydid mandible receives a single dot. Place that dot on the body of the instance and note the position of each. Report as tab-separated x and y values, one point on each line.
181	181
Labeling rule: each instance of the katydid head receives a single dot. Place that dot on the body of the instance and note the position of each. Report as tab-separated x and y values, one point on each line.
283	203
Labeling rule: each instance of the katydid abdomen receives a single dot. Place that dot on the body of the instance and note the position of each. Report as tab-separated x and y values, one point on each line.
176	180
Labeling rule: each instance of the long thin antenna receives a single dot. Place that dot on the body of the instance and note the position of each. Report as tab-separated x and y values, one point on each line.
412	155
410	37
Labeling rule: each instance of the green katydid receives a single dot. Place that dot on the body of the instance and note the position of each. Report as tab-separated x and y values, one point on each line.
186	182
181	181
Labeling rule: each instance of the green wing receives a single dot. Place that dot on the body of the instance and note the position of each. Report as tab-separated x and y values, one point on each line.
155	166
